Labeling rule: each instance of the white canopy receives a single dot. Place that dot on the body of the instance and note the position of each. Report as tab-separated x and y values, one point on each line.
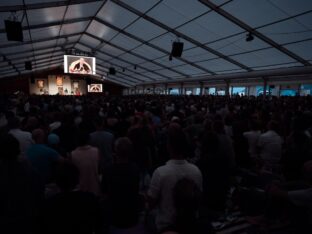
135	36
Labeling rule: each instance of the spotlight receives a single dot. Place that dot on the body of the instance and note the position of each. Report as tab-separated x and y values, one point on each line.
135	67
170	57
249	37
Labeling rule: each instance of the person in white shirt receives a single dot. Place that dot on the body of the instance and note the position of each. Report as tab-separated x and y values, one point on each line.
24	138
166	177
252	137
270	146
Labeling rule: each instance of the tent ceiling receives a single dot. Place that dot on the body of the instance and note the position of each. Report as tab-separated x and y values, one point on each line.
135	36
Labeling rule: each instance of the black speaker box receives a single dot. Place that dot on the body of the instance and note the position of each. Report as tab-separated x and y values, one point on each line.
88	81
28	65
177	49
13	30
112	71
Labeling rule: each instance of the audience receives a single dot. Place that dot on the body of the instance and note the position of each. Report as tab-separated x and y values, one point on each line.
202	153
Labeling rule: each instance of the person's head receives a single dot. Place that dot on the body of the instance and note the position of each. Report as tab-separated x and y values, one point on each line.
99	123
273	126
14	123
67	176
38	136
9	148
53	139
218	126
82	137
254	125
307	171
123	148
177	143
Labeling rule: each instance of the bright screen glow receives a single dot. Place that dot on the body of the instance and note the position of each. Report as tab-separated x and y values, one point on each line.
95	88
79	64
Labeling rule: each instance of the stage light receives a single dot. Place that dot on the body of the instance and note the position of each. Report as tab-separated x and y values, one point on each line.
249	37
123	70
170	57
135	67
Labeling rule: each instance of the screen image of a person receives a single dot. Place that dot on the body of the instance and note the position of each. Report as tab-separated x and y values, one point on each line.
80	66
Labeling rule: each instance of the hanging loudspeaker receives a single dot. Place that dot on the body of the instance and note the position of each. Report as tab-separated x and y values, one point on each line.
177	49
28	65
112	71
13	30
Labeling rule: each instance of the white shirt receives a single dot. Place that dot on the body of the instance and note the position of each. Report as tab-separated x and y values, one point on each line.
162	185
252	138
270	144
24	138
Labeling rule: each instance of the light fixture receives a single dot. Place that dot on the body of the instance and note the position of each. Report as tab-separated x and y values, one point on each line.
123	70
249	37
135	67
170	57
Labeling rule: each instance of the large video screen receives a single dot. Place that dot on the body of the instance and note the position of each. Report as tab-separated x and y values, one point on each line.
95	88
79	64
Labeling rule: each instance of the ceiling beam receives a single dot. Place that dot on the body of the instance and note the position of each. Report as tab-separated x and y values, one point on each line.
150	44
116	65
137	55
248	75
246	27
51	24
125	61
117	76
179	34
37	41
35	6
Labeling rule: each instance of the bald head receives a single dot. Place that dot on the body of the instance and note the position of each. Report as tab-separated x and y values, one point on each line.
38	136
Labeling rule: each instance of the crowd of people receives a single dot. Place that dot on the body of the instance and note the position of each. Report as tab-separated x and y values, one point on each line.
153	163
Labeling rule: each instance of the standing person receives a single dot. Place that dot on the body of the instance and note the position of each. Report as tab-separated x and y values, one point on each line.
270	146
103	140
121	184
86	158
42	157
21	189
24	138
165	178
252	137
71	211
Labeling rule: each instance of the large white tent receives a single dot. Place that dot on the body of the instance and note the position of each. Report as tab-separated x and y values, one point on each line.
135	37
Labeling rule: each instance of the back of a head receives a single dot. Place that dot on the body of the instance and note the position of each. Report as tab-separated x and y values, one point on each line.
67	176
53	139
82	137
123	148
14	122
273	125
177	142
38	136
307	171
9	148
